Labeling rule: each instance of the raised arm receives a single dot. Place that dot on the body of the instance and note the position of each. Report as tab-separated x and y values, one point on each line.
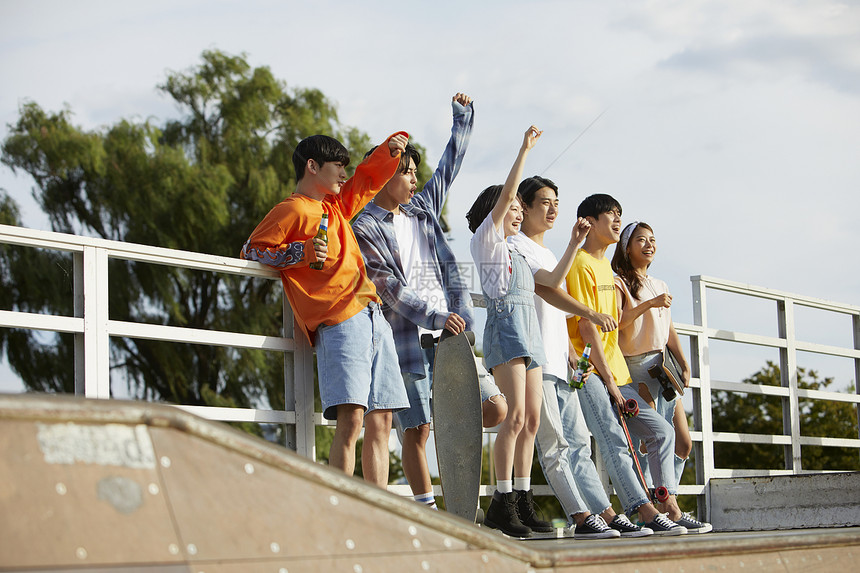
554	277
435	191
372	174
509	191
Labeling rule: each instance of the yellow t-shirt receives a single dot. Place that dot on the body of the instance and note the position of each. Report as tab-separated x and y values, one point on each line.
591	282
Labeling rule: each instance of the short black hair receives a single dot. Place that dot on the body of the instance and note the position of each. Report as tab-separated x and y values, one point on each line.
596	205
320	148
483	205
409	153
528	188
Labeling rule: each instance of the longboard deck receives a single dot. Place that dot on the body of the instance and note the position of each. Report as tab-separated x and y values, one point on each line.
457	424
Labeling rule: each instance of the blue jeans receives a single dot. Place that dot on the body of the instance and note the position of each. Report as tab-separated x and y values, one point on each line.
564	450
601	417
659	437
665	468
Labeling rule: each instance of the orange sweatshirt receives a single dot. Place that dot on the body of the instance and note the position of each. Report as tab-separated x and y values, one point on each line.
341	289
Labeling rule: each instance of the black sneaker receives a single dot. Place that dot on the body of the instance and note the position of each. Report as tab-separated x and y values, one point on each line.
594	528
693	525
662	525
528	517
627	528
502	515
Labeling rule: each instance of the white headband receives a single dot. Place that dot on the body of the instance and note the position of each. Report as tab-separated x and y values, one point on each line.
625	236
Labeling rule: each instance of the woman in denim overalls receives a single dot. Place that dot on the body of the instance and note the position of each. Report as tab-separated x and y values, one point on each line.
512	345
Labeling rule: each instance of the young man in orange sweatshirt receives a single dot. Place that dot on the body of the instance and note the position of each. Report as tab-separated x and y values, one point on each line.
337	306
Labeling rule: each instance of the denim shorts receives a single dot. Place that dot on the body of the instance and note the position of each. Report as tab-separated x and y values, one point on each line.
512	329
357	364
512	332
420	396
638	367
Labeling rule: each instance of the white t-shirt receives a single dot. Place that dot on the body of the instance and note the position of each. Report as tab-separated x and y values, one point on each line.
650	331
553	322
491	256
418	267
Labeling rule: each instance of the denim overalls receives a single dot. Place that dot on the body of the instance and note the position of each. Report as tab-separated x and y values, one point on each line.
512	329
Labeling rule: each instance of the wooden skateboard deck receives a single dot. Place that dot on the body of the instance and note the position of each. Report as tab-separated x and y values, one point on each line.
660	493
457	423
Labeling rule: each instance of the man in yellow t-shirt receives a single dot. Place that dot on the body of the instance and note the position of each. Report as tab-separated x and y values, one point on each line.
591	281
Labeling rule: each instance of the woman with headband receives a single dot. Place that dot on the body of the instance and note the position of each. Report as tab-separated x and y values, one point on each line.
645	330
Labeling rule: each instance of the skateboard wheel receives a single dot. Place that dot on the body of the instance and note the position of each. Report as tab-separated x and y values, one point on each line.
479	516
661	493
470	336
631	407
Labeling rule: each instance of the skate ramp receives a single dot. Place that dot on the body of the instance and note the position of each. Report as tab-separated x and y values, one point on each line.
104	485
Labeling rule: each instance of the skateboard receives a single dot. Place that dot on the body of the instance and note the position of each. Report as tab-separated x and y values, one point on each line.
631	408
668	374
457	423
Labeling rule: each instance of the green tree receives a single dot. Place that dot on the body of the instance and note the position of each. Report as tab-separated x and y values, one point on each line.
757	414
198	183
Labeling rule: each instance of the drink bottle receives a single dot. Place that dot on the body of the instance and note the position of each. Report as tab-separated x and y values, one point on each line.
321	234
576	380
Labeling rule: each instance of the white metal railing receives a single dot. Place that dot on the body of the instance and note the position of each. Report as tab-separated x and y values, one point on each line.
788	346
93	329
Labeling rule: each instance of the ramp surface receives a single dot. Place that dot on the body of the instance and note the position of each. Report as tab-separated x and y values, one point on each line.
104	485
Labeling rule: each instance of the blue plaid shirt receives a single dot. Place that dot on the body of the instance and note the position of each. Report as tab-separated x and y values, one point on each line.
374	229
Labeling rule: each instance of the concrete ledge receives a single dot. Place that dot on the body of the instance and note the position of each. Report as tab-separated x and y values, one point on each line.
770	503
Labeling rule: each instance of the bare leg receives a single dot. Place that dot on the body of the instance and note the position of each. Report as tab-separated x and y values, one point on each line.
350	418
493	411
510	377
415	459
374	454
524	452
683	441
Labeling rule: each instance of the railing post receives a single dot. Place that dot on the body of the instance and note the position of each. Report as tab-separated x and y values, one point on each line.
702	419
302	390
92	347
856	324
788	379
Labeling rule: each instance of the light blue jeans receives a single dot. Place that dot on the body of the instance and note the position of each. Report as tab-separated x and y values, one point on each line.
638	366
564	450
659	437
601	417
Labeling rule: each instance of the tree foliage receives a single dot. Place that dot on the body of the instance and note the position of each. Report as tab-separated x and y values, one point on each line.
757	414
198	183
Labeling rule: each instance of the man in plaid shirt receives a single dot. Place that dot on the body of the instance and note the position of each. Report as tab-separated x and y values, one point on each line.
422	287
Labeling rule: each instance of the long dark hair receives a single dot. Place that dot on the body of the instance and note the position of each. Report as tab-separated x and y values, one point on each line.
621	262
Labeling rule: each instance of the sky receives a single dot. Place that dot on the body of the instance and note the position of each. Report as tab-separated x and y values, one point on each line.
731	127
